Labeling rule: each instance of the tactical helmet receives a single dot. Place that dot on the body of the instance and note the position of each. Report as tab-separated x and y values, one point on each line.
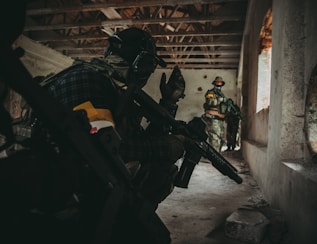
135	46
138	49
218	81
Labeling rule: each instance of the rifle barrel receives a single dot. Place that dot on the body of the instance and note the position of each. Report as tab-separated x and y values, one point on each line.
219	162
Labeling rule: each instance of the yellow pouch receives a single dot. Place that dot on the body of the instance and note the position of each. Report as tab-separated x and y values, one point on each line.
210	95
95	114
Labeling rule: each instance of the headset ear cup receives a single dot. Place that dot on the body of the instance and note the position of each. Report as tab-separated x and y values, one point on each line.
143	65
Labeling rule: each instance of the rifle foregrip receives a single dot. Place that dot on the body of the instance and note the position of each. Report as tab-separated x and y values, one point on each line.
183	176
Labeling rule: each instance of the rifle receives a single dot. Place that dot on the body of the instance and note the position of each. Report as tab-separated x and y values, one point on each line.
123	208
195	130
231	107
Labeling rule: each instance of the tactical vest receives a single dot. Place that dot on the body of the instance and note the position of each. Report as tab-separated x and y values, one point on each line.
28	125
212	100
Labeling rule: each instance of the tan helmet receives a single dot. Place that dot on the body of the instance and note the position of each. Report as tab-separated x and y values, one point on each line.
218	81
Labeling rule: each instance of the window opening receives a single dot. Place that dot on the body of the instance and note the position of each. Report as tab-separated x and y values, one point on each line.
264	80
264	63
311	115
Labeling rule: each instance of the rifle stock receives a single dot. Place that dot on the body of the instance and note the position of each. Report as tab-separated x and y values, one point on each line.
195	130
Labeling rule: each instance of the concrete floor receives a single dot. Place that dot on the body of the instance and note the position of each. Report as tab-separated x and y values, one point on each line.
196	215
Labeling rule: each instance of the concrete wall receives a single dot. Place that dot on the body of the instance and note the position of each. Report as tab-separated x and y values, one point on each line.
280	168
257	124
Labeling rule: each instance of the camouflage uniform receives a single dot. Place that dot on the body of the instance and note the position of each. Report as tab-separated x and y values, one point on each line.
215	108
215	129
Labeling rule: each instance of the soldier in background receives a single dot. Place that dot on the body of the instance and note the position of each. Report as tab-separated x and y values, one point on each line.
214	116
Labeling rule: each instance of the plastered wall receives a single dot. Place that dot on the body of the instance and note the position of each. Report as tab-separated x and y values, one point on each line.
197	83
279	166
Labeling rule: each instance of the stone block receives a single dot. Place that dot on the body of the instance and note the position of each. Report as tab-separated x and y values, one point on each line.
246	225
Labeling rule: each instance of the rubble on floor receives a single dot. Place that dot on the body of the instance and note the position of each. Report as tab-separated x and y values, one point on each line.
246	225
199	213
255	222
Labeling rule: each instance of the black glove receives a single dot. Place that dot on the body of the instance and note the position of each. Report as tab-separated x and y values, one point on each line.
174	89
165	90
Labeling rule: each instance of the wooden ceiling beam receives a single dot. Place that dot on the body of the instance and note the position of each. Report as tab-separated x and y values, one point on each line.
169	60
193	52
125	22
197	26
159	44
235	53
200	33
120	5
202	66
46	38
187	20
201	60
199	44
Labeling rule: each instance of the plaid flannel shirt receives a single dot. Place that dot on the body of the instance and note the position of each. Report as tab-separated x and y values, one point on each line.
82	84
